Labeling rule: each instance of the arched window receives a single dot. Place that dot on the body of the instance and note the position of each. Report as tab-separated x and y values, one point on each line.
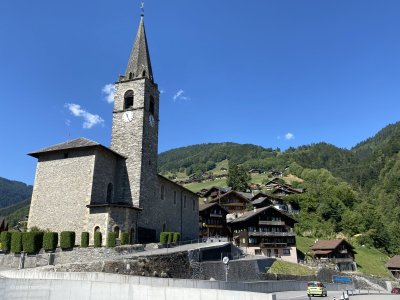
151	107
116	230
128	99
130	75
109	192
96	229
162	192
144	73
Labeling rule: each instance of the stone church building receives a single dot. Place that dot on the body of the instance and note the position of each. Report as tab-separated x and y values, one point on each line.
81	185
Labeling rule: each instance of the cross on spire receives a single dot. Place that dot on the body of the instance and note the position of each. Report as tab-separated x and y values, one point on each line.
142	8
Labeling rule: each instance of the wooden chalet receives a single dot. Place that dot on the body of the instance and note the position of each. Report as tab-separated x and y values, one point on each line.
234	202
266	231
3	224
212	220
338	251
394	266
286	190
216	191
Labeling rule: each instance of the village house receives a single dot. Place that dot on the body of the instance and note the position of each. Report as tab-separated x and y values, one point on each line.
394	266
234	202
266	231
338	251
212	220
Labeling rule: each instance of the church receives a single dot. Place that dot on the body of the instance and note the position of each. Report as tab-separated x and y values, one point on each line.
83	186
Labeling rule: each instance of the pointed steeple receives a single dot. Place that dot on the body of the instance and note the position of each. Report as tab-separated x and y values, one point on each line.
139	64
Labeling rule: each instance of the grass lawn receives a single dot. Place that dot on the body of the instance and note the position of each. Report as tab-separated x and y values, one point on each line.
195	187
284	267
304	243
371	261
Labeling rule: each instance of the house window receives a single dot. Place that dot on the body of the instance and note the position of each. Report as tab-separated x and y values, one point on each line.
174	197
151	108
162	192
257	251
130	75
109	192
128	99
144	74
286	251
184	202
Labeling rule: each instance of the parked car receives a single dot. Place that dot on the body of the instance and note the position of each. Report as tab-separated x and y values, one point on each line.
316	288
395	291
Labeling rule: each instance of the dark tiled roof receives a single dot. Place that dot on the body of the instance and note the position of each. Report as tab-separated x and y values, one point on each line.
139	60
205	206
394	262
329	244
72	144
246	195
260	200
249	214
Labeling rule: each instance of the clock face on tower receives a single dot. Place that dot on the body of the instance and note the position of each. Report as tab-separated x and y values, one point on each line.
127	116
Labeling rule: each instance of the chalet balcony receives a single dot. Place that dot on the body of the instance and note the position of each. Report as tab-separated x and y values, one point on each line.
213	226
342	260
273	245
292	234
276	223
212	215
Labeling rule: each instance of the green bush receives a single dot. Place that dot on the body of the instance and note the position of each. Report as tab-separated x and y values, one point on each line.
177	237
32	242
50	241
170	237
5	238
97	239
124	238
85	239
67	240
111	239
164	238
16	242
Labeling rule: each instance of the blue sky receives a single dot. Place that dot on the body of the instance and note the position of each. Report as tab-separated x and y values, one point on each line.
274	73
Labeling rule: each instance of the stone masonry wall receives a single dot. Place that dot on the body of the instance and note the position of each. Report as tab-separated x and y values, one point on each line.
62	190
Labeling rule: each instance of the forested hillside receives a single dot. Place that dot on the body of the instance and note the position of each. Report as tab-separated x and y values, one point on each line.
349	191
12	192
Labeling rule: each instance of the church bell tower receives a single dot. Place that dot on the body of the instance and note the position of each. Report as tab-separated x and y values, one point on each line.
135	126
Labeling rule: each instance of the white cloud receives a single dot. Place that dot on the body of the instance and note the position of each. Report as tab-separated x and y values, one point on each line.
90	120
68	122
179	96
162	91
109	92
289	136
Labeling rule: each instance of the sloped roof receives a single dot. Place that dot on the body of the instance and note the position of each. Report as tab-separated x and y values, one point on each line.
238	194
394	262
205	206
246	195
139	60
261	200
250	214
329	244
218	188
72	144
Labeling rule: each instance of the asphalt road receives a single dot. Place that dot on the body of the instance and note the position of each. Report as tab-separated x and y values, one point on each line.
299	295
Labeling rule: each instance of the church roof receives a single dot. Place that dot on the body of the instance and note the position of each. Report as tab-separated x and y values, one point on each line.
72	144
139	64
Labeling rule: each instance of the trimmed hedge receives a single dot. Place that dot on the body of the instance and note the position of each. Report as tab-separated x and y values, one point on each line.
111	239
85	239
170	237
32	242
164	238
176	237
5	239
124	238
67	240
97	239
16	242
50	241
